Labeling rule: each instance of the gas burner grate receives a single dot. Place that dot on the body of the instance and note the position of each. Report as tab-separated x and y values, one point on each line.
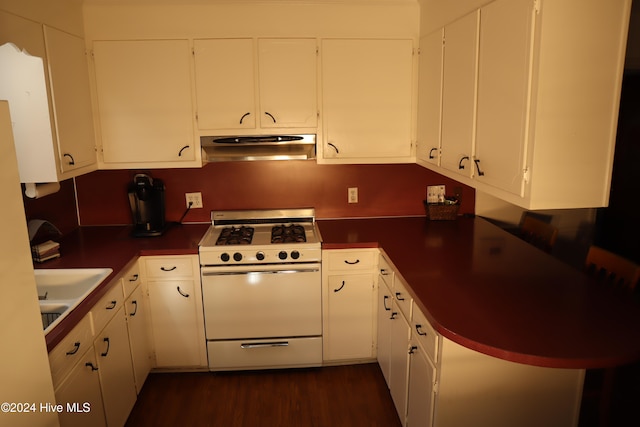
293	233
235	236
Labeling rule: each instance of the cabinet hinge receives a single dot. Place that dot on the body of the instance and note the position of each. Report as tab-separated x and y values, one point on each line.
525	174
536	6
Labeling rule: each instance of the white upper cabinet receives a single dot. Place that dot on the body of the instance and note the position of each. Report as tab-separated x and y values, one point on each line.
546	102
458	99
430	97
69	82
255	85
143	91
367	101
503	83
64	146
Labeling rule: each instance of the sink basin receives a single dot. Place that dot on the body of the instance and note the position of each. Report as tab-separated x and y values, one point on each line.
61	290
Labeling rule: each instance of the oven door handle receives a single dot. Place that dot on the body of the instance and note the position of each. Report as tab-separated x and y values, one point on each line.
265	344
230	273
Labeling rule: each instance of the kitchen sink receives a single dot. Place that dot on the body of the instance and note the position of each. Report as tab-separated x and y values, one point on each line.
61	290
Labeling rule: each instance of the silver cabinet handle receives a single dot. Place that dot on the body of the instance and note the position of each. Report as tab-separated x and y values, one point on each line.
265	344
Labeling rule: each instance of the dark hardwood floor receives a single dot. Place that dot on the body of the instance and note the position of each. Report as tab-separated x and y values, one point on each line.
349	396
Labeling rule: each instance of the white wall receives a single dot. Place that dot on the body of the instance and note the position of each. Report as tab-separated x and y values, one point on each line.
243	19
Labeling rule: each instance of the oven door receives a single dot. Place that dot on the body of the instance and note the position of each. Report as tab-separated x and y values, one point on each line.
243	302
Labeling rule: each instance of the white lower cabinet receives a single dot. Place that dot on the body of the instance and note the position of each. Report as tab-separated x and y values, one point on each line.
113	354
175	304
421	395
137	313
399	361
349	301
74	370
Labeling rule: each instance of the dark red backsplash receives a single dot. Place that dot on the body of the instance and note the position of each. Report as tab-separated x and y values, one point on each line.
383	190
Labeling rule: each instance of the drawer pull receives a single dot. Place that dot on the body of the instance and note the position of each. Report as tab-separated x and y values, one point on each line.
108	346
76	347
168	269
340	288
393	315
419	331
265	344
135	310
412	349
351	262
384	272
112	305
182	293
398	296
134	278
384	302
93	368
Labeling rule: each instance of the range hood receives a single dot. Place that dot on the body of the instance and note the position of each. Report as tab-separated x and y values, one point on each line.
258	147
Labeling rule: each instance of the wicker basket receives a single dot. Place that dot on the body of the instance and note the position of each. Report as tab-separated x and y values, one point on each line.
441	211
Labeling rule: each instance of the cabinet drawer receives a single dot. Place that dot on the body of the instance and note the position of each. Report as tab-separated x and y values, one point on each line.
351	260
259	354
426	335
385	273
402	298
72	348
169	267
131	279
104	309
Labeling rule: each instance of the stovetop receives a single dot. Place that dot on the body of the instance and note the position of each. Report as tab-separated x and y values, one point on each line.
260	237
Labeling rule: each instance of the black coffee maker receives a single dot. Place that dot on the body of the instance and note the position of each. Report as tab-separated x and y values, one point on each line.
146	198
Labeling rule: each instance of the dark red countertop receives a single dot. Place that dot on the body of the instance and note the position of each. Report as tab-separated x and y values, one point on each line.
113	247
489	291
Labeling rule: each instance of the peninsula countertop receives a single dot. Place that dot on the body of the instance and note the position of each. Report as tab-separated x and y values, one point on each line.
487	290
477	284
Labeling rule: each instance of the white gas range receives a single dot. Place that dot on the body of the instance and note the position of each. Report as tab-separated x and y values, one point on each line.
261	289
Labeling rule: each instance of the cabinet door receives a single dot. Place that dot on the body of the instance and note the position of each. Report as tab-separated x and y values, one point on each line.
69	80
399	361
503	93
367	99
174	323
287	75
80	395
116	372
430	97
225	87
384	329
349	328
144	101
136	311
421	389
458	94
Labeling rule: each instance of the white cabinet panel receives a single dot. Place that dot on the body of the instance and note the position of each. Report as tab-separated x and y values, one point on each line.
224	83
504	64
458	92
367	100
116	371
136	309
430	97
144	103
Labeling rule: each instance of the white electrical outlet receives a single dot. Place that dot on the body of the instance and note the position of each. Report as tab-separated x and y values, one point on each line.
195	199
353	194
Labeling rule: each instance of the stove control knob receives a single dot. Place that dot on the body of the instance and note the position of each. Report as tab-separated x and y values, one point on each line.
260	256
224	257
237	256
295	254
282	255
